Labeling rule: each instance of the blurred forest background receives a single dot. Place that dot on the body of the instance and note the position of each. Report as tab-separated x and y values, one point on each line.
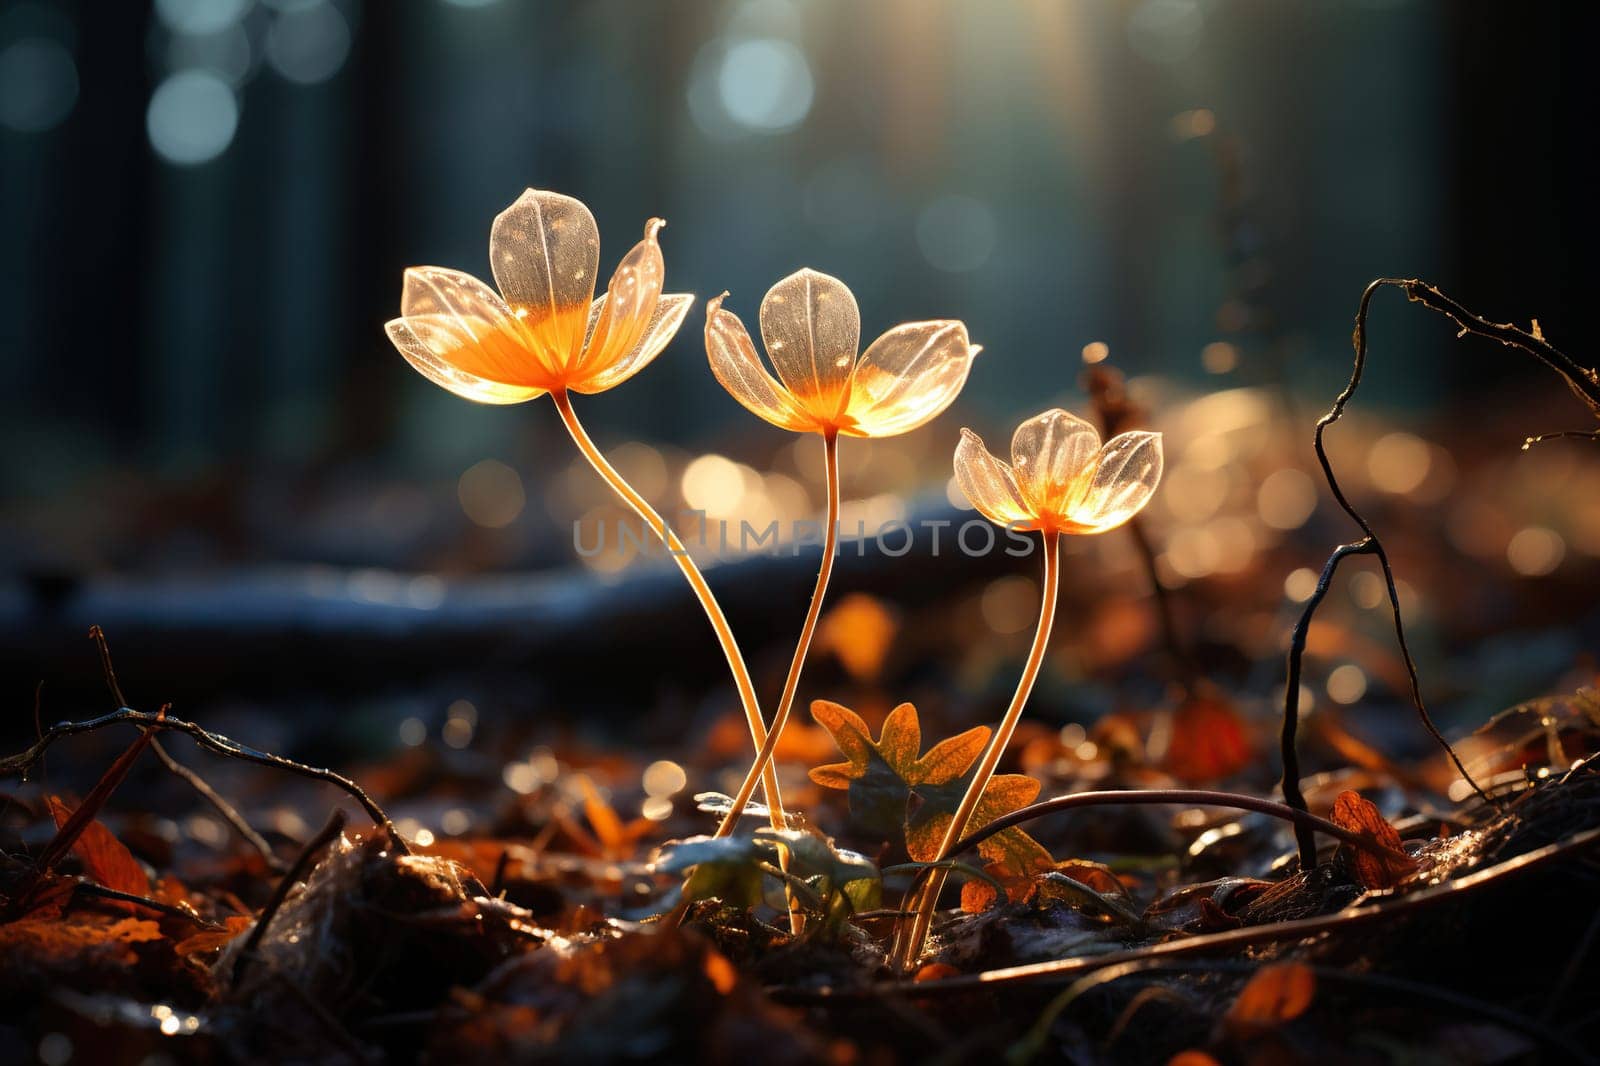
206	206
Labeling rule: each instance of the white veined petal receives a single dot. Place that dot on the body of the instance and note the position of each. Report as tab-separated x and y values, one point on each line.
1125	475
988	483
736	365
812	330
1049	452
428	343
908	376
545	251
658	333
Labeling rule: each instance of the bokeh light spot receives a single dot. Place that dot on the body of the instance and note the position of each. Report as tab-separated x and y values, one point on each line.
38	85
712	483
1535	551
1399	462
308	44
1219	357
491	494
762	85
664	778
1286	498
1301	584
199	17
192	118
1347	684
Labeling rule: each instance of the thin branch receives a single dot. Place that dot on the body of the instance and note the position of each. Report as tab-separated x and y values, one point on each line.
1584	381
1232	939
98	635
1304	821
223	808
99	891
297	873
20	763
1370	545
1167	796
1291	697
195	781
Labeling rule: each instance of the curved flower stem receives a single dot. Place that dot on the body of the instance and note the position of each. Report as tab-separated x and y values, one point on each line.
908	947
697	582
780	718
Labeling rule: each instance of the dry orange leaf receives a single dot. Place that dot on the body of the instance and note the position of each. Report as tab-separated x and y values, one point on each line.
1209	740
897	748
720	972
1274	995
618	839
104	857
91	937
894	789
858	631
1359	815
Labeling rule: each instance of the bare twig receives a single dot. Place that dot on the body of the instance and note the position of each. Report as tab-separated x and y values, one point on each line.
224	809
297	873
98	635
20	763
195	781
1232	939
1168	796
1370	544
72	828
1584	381
1303	821
1291	697
92	888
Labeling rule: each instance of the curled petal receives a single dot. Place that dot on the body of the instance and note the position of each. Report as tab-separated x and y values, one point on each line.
658	331
545	250
989	484
443	349
628	304
812	329
1049	452
907	376
738	368
1124	477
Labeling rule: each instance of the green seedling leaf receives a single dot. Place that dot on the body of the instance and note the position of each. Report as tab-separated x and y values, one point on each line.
826	868
725	868
734	869
720	803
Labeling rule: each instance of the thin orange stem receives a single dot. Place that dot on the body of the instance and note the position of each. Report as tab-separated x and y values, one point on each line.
909	947
791	684
697	582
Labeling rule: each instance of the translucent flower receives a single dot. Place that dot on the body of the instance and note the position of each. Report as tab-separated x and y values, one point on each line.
812	331
543	331
1060	478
